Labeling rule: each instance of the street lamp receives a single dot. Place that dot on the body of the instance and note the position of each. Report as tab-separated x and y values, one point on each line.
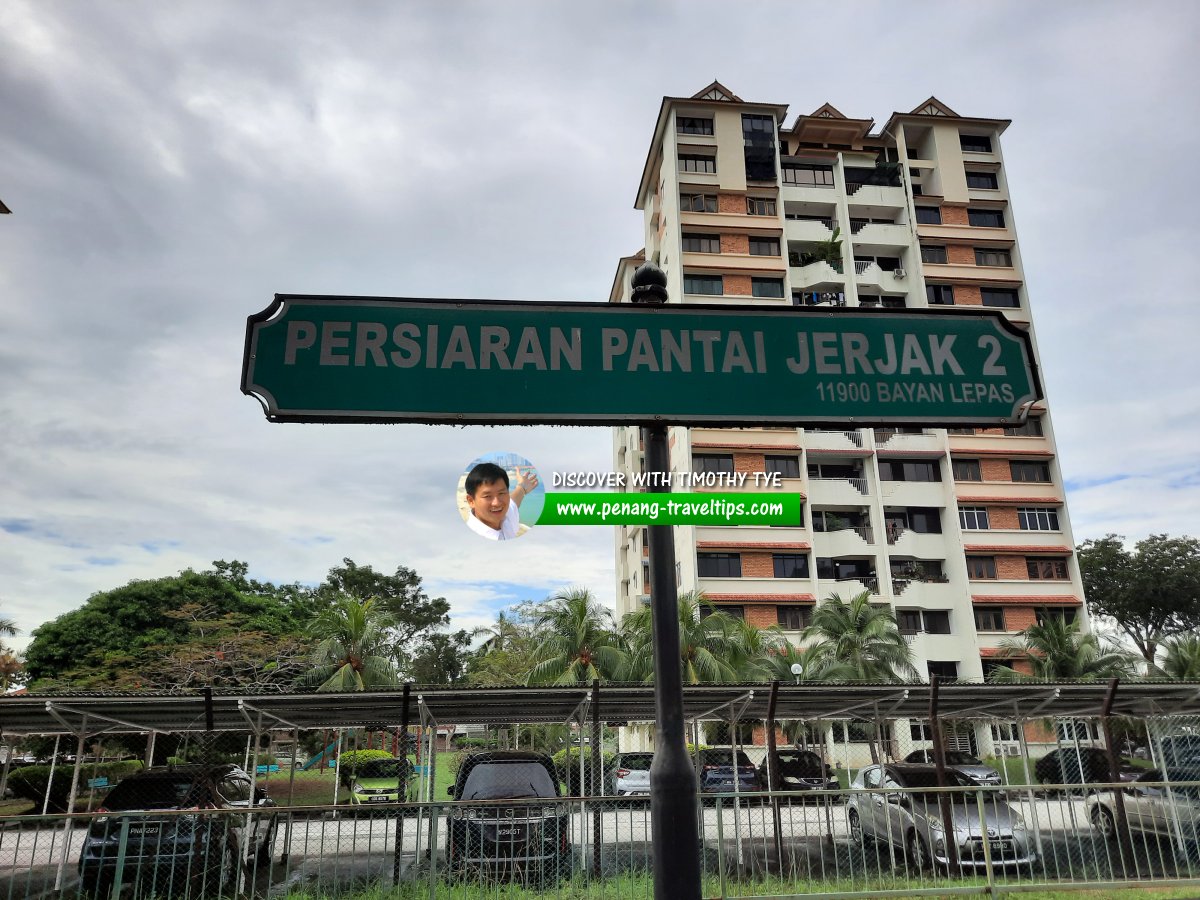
797	670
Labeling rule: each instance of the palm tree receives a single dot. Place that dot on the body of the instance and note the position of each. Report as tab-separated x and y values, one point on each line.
353	652
579	641
501	635
862	636
1058	651
711	646
815	665
1182	660
8	628
752	647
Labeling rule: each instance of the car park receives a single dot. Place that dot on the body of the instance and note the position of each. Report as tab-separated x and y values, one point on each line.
1081	765
715	767
885	804
800	770
1152	806
512	821
1180	751
379	781
968	765
631	773
178	827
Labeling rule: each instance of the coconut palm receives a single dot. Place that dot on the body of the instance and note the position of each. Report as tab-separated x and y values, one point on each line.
578	640
8	628
862	636
1058	651
711	646
815	665
354	651
501	635
1182	660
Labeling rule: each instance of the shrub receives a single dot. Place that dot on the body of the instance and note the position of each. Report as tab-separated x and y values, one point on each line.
351	759
566	761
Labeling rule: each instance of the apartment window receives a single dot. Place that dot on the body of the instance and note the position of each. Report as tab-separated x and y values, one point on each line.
939	294
712	462
701	243
1023	470
1037	518
909	470
719	565
760	206
929	215
931	254
944	670
764	246
758	140
766	287
1031	428
794	618
693	125
973	518
698	203
790	565
1064	614
1050	569
696	162
920	731
983	180
989	618
867	301
734	612
808	176
975	143
783	466
986	218
925	520
703	284
981	567
936	621
1003	298
909	621
993	258
967	470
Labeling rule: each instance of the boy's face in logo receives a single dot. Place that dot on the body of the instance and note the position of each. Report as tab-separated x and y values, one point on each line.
490	503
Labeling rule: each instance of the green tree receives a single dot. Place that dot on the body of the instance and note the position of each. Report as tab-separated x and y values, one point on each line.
1151	593
862	636
8	628
441	658
710	645
411	613
1058	651
1181	659
354	651
507	653
500	636
815	665
578	642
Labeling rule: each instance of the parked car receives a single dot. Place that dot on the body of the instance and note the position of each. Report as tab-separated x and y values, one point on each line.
800	770
716	772
1149	807
631	773
512	822
1180	751
198	847
380	781
960	762
1081	765
912	820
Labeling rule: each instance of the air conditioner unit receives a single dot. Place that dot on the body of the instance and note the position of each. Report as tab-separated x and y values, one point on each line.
899	273
1010	749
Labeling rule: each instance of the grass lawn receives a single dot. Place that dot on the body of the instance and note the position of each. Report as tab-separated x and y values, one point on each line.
315	787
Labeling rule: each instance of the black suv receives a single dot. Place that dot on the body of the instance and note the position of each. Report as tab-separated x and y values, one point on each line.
511	821
183	828
716	772
800	770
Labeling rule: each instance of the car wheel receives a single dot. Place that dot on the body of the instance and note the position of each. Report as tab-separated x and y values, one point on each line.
1104	823
263	856
857	835
918	852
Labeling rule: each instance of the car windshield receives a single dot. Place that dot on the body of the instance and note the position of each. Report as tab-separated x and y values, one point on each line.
927	778
636	761
154	793
380	768
800	761
724	758
957	758
502	780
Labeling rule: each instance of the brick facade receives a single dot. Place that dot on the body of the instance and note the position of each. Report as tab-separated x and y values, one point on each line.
1003	517
735	243
731	203
1011	567
738	285
960	255
761	616
757	565
749	462
967	294
954	215
995	470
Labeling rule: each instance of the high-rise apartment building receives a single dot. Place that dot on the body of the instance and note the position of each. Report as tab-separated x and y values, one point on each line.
963	532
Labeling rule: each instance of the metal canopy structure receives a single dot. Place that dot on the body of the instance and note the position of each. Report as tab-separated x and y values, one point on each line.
51	714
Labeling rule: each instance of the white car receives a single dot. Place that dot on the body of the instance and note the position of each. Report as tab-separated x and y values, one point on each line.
631	774
1152	808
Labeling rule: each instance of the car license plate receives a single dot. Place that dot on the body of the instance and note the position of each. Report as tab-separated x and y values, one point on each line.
143	829
507	832
998	846
378	798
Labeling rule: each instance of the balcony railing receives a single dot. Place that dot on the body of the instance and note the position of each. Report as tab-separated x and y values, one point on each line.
816	220
861	265
859	484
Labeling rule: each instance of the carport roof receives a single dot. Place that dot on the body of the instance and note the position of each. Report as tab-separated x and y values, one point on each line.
91	713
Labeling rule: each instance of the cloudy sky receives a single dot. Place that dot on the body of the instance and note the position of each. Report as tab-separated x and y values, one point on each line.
171	166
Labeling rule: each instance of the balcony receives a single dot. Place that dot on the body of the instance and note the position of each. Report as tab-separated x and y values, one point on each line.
849	541
913	493
847	587
868	272
881	233
815	439
926	441
785	438
808	229
837	491
815	274
920	545
876	195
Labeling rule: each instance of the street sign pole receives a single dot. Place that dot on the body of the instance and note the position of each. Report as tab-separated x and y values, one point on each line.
674	825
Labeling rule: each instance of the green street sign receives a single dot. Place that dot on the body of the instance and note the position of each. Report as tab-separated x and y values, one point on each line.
373	359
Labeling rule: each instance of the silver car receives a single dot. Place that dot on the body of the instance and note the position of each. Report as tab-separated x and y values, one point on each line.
631	773
1150	808
973	768
882	805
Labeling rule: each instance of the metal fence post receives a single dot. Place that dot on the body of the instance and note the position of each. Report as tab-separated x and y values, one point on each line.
983	837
